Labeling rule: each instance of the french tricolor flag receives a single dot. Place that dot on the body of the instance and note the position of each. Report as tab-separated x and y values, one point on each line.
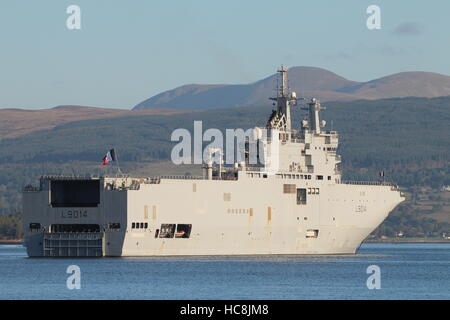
110	156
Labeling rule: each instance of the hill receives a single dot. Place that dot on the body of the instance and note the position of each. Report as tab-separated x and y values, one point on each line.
307	82
16	122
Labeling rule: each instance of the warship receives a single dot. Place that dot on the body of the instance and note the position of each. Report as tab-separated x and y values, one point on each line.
300	206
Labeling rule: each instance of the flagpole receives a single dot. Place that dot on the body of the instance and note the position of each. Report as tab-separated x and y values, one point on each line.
117	159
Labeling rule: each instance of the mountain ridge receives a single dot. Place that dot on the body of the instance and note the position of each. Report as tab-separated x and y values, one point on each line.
307	82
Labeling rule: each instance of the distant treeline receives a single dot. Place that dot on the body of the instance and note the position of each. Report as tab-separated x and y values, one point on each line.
412	222
11	226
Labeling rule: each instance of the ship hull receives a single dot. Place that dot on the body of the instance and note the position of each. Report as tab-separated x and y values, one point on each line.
249	216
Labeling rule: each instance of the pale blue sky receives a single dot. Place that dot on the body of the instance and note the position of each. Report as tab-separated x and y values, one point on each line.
128	51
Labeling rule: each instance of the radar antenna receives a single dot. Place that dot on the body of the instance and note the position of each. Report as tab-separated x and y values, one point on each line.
313	123
281	117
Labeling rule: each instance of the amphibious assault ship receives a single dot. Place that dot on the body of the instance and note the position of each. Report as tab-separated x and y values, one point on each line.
294	203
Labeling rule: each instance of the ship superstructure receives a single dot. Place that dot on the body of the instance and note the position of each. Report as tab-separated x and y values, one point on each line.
291	201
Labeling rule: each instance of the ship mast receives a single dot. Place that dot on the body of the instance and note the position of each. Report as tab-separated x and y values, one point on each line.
281	117
283	105
314	123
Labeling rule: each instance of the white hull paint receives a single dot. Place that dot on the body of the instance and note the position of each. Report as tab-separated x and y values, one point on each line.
257	218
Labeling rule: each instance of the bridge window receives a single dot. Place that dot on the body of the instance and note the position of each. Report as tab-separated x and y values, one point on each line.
139	225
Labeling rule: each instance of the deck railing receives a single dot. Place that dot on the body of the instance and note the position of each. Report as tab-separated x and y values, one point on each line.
370	183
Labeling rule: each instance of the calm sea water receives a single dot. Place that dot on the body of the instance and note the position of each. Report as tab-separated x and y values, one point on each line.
408	271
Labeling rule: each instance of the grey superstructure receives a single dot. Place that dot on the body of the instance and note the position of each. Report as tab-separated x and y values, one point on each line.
293	203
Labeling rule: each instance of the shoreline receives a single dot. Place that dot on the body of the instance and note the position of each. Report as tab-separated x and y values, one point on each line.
11	241
406	240
390	240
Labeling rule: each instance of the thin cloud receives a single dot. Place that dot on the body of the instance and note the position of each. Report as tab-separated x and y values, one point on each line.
362	49
338	56
390	50
408	29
